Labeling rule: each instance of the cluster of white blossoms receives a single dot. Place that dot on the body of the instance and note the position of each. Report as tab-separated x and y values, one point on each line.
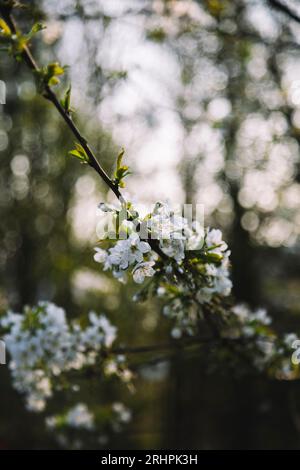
116	366
218	274
132	253
193	266
174	233
250	320
121	415
176	238
188	268
78	417
268	350
255	324
42	345
68	427
193	276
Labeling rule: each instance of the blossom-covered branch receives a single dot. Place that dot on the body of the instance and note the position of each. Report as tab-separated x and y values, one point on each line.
43	346
177	260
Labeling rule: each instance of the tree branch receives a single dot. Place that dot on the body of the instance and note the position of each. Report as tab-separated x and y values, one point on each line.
163	346
5	12
276	4
49	94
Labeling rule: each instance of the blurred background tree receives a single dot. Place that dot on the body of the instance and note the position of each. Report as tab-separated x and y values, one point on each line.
204	95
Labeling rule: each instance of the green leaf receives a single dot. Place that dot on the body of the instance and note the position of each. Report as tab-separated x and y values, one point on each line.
49	74
4	28
18	41
213	257
67	100
117	75
53	81
17	46
216	7
119	159
157	35
106	20
55	69
34	30
79	153
37	27
121	170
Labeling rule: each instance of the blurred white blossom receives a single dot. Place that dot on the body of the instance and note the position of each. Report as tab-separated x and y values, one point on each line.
42	345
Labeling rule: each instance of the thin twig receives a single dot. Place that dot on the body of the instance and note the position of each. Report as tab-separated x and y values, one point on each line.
276	4
163	346
51	96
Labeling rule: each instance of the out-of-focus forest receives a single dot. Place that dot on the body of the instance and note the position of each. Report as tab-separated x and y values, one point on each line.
205	97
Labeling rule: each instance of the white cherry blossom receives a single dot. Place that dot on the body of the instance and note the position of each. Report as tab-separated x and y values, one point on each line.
143	270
